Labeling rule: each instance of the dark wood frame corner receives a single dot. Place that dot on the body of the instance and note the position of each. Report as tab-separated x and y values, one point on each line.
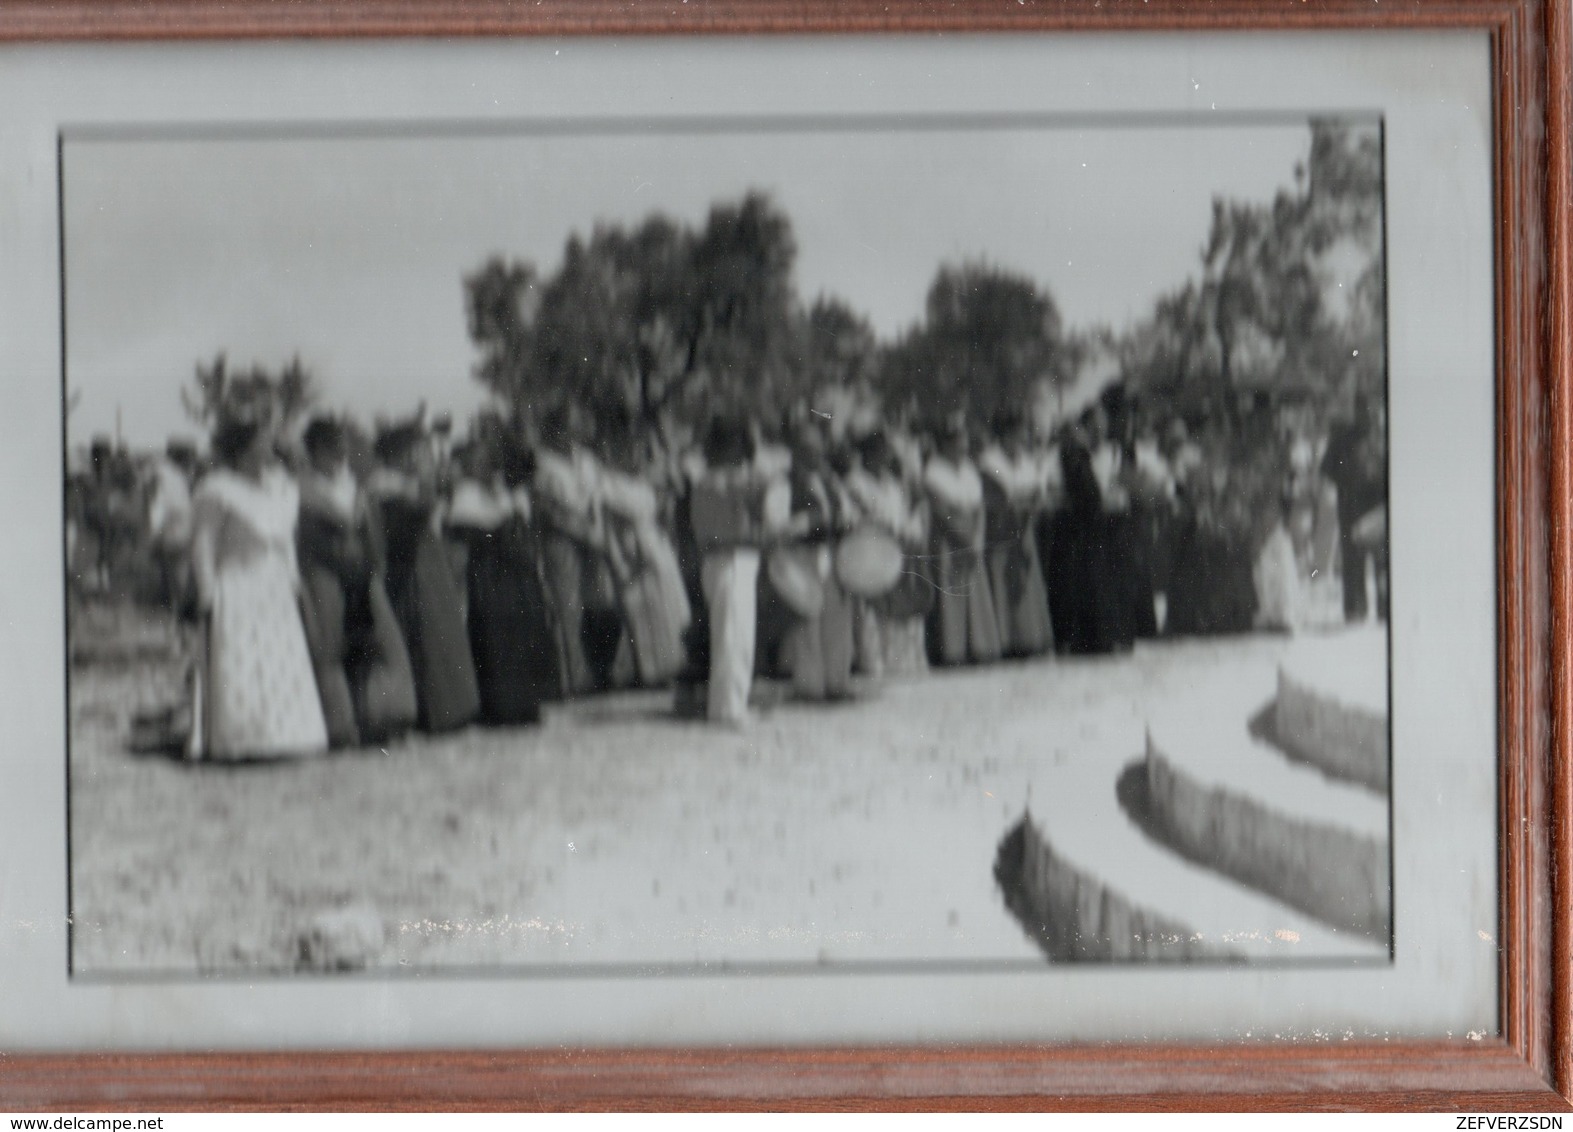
1529	1065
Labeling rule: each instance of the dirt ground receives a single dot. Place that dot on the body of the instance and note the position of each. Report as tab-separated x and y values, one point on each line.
614	834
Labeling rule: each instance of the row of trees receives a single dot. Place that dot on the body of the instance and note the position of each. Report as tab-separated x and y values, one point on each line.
659	326
1290	295
654	327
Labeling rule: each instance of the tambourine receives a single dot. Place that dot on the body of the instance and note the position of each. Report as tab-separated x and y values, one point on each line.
794	575
868	562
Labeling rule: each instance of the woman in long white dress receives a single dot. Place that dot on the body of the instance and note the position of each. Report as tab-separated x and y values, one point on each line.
260	696
1280	599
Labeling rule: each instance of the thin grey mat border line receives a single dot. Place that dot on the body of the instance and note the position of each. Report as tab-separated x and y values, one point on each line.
725	970
624	125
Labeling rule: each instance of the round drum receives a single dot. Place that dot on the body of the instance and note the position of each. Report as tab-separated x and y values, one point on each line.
794	574
868	563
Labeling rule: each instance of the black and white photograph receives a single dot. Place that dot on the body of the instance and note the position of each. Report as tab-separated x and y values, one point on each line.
762	542
922	542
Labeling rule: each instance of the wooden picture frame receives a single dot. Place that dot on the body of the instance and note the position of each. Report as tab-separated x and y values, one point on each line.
1529	1065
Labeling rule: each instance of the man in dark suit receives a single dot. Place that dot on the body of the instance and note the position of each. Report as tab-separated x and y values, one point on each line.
1356	463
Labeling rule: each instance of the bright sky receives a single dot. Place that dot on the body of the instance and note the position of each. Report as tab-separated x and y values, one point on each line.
349	251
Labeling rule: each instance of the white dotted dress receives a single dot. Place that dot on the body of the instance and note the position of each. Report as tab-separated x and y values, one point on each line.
260	696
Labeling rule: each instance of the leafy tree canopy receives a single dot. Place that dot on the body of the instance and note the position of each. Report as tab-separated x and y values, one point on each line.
1289	297
653	326
990	340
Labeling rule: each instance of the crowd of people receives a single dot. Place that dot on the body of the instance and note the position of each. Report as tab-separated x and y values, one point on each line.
336	605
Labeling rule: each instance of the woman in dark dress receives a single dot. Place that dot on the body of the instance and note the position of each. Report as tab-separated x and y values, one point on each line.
1125	595
420	582
362	665
1356	464
1071	566
511	634
1211	588
1091	595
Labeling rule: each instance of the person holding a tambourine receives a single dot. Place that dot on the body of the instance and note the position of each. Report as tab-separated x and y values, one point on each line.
818	648
895	619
